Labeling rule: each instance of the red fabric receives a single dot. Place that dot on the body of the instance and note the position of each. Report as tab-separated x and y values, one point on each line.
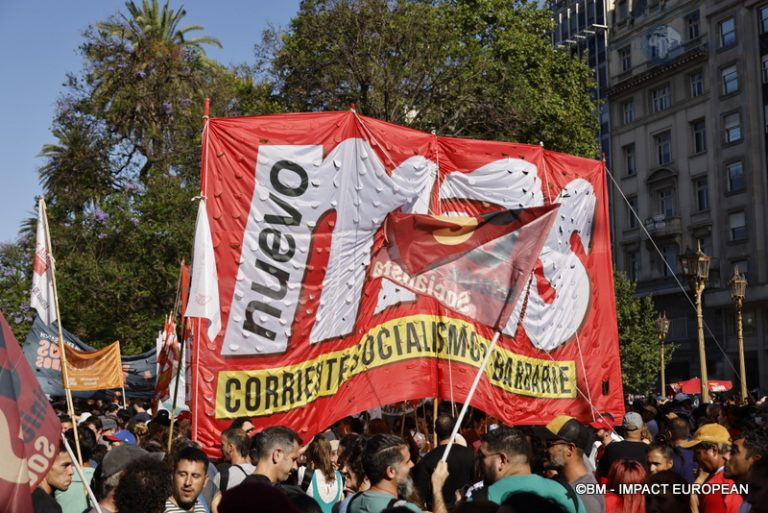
719	502
613	503
29	428
480	275
693	385
297	204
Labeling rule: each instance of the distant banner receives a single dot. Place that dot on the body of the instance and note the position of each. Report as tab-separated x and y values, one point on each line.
29	428
314	330
94	370
41	350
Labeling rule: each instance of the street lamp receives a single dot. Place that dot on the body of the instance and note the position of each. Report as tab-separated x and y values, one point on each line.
662	328
695	265
738	286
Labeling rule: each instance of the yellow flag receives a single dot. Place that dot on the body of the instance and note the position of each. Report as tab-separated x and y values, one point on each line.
94	370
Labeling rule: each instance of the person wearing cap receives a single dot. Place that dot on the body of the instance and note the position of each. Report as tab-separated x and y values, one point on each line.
109	472
711	445
649	413
604	435
119	437
108	427
631	448
567	440
504	461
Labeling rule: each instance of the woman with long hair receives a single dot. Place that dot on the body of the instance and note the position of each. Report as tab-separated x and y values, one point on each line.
627	473
327	484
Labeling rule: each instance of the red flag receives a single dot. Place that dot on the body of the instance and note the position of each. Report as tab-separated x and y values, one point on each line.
29	428
167	359
474	265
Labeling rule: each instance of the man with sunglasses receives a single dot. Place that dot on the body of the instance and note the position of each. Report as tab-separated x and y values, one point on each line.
504	459
567	440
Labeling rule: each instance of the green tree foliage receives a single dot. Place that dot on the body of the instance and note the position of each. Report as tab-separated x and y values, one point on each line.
638	338
475	68
121	177
15	263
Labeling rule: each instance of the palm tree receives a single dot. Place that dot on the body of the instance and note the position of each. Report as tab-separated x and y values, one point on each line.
150	23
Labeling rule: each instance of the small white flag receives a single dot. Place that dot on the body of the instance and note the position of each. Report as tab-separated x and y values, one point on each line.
42	297
204	290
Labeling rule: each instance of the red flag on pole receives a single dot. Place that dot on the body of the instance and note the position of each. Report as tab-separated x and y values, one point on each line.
474	265
29	428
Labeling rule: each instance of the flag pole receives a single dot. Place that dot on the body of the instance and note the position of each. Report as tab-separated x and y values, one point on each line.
122	376
434	421
176	389
79	468
62	354
471	394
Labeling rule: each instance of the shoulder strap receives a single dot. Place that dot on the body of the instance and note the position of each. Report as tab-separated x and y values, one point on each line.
349	504
224	478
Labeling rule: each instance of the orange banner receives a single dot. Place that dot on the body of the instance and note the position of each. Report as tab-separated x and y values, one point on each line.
94	370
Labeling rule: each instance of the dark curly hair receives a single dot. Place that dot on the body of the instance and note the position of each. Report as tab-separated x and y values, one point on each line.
144	487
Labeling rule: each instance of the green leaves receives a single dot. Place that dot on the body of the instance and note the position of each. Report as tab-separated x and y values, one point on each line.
484	69
638	338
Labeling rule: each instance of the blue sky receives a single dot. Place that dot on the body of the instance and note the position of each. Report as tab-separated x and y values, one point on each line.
38	47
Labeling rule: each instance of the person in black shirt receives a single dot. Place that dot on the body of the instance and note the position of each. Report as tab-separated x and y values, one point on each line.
58	478
461	465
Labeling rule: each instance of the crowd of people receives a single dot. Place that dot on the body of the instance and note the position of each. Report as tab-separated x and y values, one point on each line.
662	456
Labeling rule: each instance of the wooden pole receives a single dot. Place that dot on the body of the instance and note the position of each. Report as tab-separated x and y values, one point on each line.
434	421
79	468
176	388
62	354
470	394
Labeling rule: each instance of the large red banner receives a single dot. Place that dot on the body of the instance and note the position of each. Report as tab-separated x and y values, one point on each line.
296	205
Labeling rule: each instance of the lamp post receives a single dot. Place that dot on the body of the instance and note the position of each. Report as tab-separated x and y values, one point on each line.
738	286
695	265
662	328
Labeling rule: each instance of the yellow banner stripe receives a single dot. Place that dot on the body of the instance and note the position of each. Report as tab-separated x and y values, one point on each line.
267	391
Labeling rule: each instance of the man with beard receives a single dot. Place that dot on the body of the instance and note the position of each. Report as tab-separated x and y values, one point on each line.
504	459
387	463
190	475
711	449
746	450
567	439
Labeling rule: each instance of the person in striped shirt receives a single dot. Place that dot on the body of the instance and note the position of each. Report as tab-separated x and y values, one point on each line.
190	474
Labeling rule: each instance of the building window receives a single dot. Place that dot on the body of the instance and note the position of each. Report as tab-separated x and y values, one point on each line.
732	127
730	79
631	211
666	202
742	265
735	177
699	130
692	25
623	10
663	143
670	255
702	194
764	68
625	58
630	160
660	98
697	83
727	32
737	226
763	19
628	111
705	242
633	265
